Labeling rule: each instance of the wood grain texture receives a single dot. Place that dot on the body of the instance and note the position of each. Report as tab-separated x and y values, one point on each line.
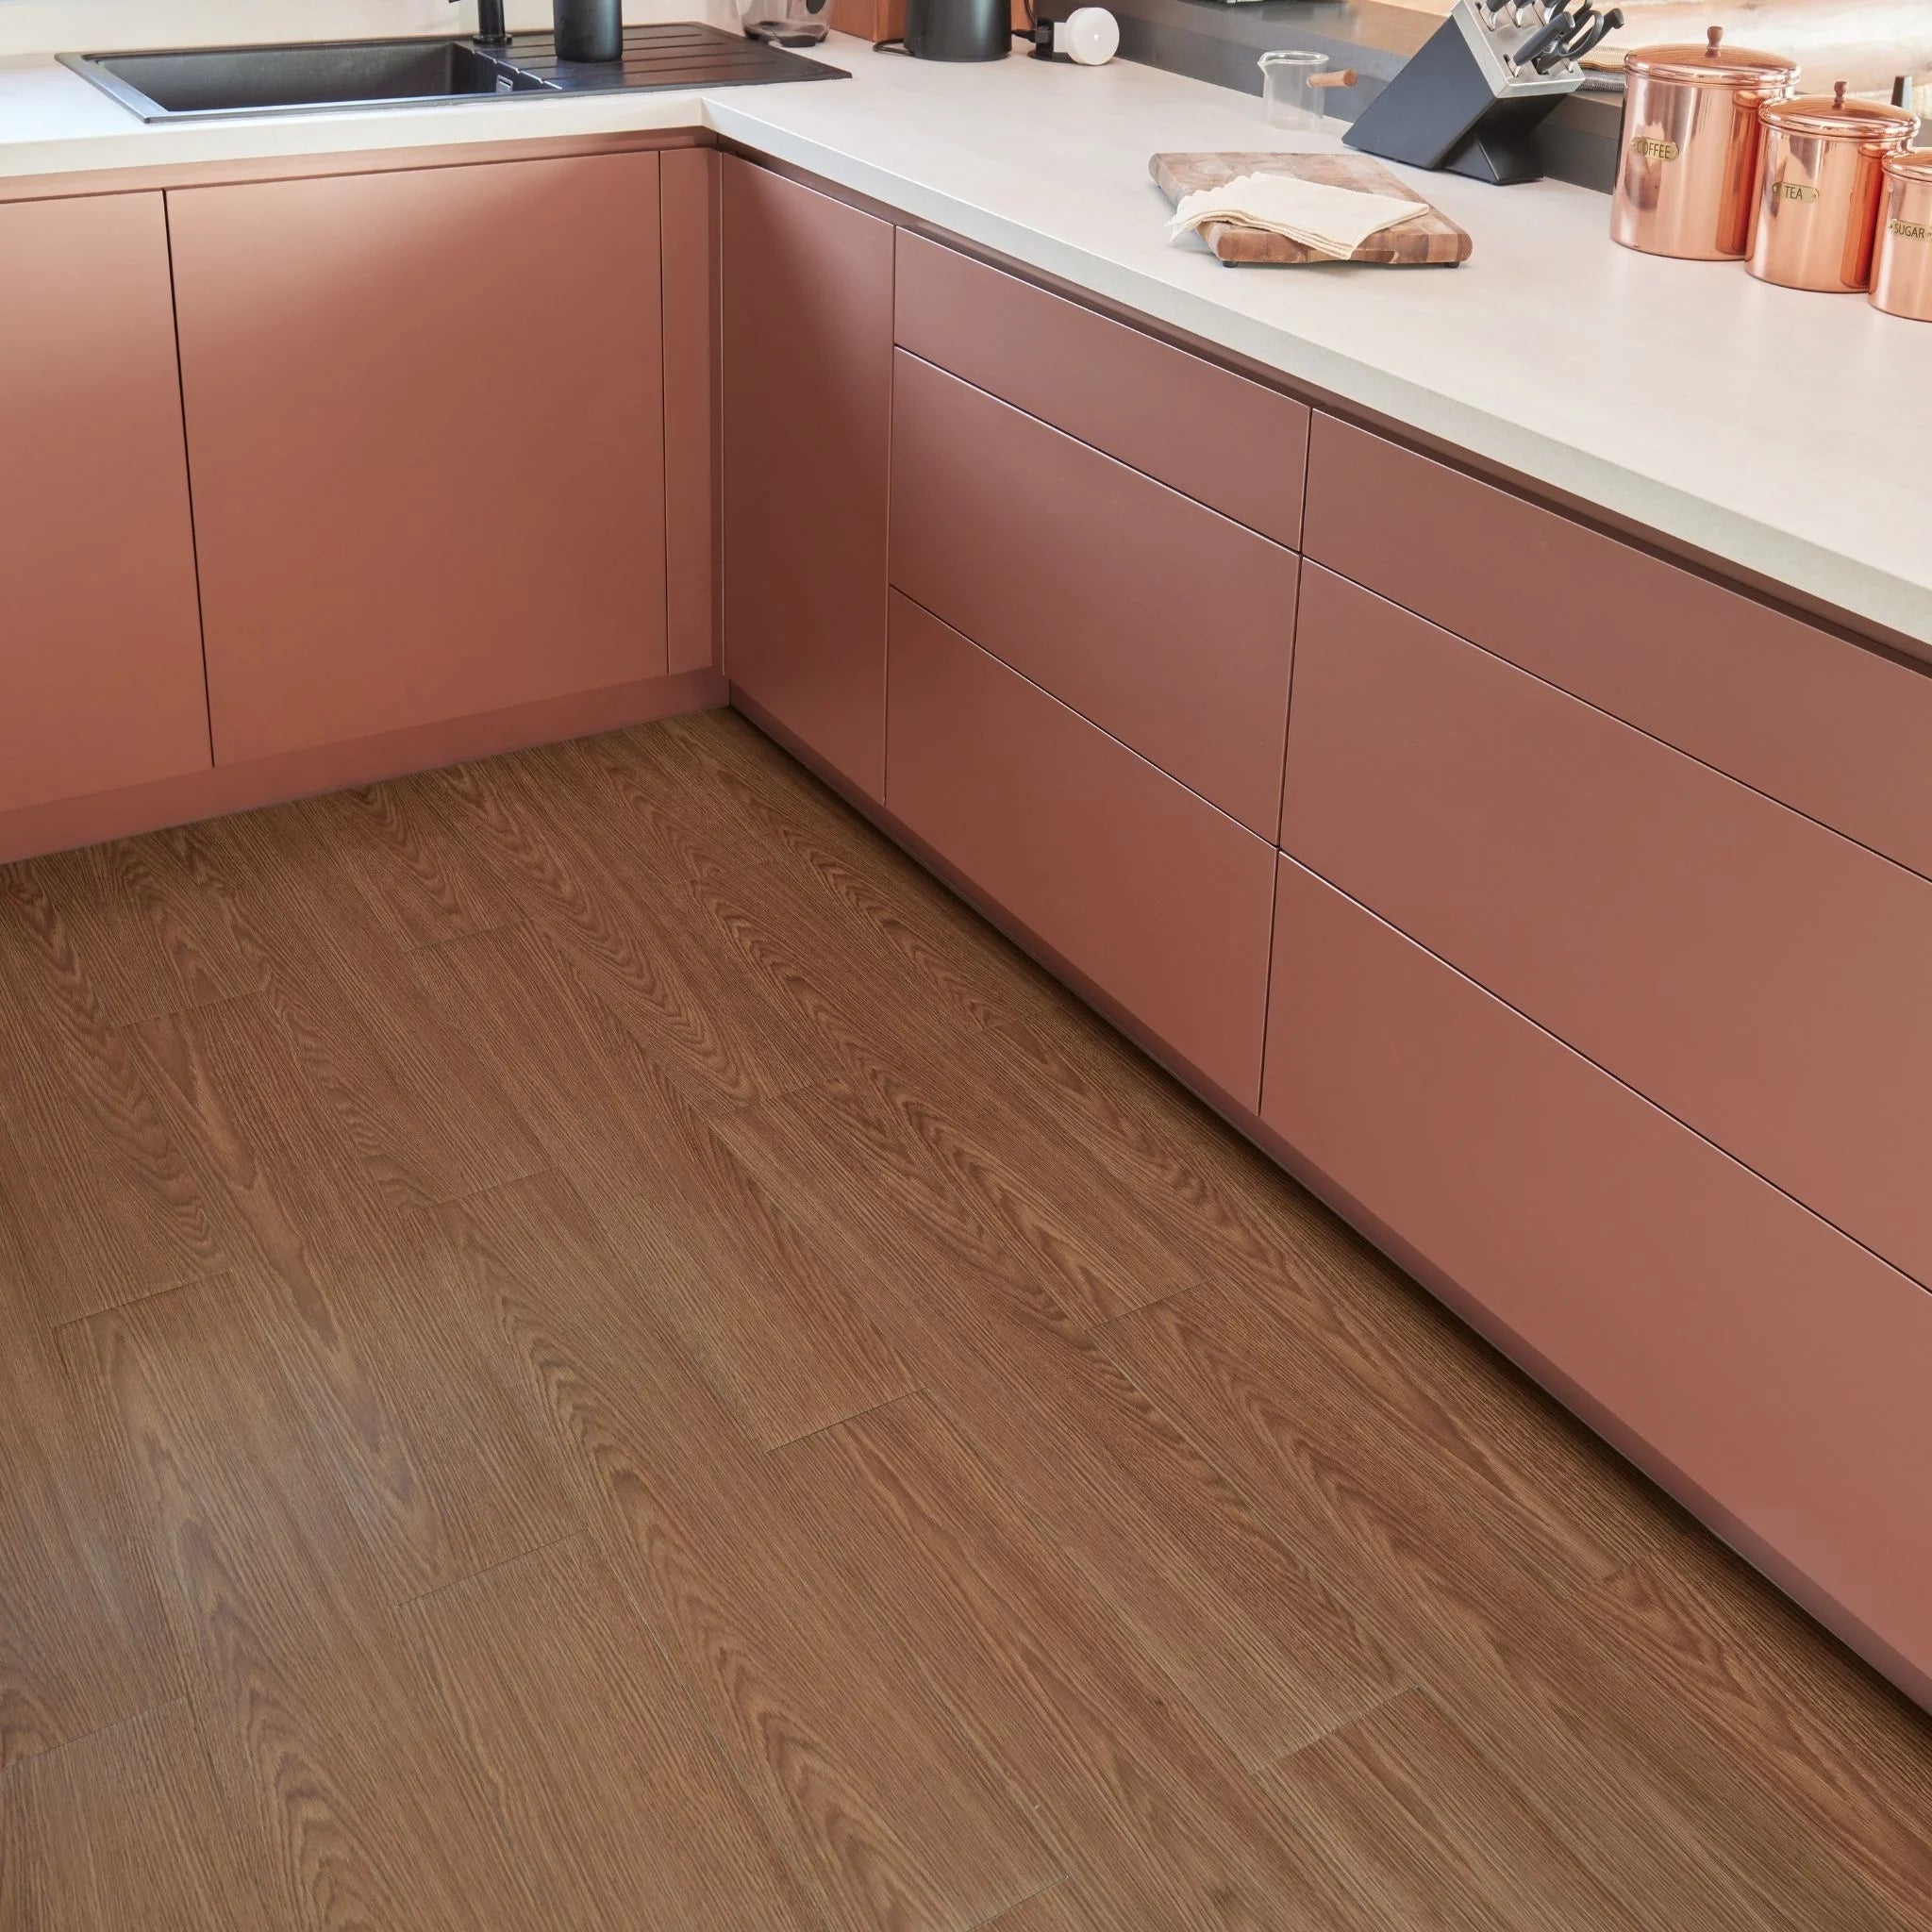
825	1711
1428	239
427	1451
332	1774
1140	1798
120	1831
611	1798
1058	1909
84	1641
1631	1780
1427	1834
583	1345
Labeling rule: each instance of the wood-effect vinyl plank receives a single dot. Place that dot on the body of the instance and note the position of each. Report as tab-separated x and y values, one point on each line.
1092	1235
416	872
84	1643
120	1831
613	1800
1849	1758
1155	1822
1425	1834
1631	1780
861	1772
1257	1640
628	927
1057	1909
334	1776
785	1332
148	937
432	1458
427	1121
98	1197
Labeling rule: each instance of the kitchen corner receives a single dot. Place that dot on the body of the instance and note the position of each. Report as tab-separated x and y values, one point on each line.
980	995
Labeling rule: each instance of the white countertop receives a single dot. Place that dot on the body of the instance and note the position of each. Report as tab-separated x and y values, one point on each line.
1789	434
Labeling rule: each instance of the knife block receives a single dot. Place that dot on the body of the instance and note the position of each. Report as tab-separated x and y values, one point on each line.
1457	107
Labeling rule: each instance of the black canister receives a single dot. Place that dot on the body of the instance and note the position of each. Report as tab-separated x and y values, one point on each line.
960	29
589	29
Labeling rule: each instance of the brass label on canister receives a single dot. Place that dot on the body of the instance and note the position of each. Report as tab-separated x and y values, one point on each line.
1650	147
1911	232
1793	190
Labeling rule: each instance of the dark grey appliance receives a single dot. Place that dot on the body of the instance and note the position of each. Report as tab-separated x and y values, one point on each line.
959	30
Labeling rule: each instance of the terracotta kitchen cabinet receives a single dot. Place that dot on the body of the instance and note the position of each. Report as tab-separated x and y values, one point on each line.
1227	442
1767	1369
1750	972
1833	730
1147	892
808	379
1162	622
426	424
100	644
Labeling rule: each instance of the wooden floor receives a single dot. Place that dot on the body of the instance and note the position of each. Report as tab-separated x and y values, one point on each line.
584	1347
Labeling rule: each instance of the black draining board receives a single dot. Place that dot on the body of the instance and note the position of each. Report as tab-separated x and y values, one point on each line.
679	54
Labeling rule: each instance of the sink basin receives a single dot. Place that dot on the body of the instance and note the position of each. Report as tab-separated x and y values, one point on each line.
269	80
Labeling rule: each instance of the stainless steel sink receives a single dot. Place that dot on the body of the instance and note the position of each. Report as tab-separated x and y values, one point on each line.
272	80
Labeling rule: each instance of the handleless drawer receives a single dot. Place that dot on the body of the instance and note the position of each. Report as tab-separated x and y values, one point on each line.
1750	972
1215	436
1160	901
1163	623
1768	1364
1834	730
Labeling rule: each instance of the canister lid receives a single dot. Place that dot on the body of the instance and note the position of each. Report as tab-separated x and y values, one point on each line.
1836	118
1710	65
1910	165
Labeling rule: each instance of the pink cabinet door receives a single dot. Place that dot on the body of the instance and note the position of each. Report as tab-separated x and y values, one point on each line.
1146	892
426	425
1752	973
100	644
1768	1371
808	375
1164	622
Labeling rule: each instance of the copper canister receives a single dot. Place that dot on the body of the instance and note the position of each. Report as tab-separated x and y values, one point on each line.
1902	252
1819	183
1688	166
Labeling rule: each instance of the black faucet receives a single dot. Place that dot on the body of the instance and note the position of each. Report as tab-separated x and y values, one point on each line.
490	30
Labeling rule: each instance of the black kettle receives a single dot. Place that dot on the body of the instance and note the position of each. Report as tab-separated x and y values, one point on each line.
960	29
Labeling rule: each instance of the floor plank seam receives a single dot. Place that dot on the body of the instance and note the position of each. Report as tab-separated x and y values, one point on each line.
134	1300
410	951
576	1530
840	1421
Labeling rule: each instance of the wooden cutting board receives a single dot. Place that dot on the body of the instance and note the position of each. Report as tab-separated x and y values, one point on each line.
1431	239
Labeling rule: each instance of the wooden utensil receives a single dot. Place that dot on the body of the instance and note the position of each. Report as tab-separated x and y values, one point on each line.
1431	239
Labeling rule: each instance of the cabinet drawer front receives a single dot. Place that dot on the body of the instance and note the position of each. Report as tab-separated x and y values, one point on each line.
1777	1367
1836	731
1165	623
1754	974
1160	900
100	639
1218	437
